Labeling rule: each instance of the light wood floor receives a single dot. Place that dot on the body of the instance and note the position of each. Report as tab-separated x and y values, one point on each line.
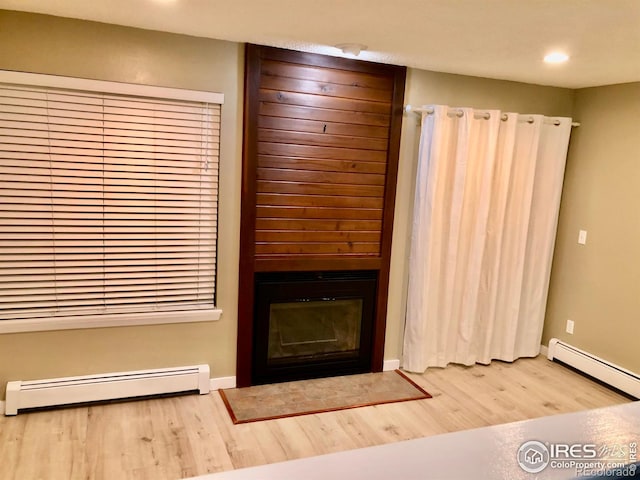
179	437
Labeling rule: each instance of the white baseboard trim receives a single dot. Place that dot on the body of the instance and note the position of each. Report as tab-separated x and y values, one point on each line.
389	365
223	382
544	350
230	382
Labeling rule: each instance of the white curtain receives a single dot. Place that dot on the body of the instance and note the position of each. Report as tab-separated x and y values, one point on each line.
485	216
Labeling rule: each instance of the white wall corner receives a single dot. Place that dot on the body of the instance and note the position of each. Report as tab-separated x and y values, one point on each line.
1	407
389	365
222	383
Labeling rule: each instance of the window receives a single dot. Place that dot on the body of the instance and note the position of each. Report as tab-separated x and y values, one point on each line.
108	203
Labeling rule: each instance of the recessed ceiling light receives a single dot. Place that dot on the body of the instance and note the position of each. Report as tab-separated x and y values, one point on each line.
556	57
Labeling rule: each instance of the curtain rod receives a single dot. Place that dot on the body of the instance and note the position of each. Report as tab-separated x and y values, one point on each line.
479	115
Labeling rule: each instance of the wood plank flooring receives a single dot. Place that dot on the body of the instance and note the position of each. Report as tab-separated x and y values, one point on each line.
179	437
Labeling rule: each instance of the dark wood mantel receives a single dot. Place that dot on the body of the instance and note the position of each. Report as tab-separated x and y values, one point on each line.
320	158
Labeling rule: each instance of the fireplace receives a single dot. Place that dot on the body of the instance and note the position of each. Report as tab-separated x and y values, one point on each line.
318	187
312	324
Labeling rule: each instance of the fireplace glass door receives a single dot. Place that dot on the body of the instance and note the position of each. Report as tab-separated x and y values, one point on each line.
312	324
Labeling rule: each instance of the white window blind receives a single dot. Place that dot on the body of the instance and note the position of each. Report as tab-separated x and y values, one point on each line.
108	203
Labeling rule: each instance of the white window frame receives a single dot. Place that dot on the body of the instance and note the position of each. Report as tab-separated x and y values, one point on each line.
108	320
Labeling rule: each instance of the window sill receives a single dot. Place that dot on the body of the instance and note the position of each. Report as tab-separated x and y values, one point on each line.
103	321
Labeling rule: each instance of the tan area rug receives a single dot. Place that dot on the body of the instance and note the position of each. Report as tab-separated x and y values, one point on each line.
280	400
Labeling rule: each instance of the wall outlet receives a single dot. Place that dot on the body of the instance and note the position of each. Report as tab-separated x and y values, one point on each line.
582	237
570	326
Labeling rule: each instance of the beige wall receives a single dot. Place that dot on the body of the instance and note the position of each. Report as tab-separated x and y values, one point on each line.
597	285
425	88
44	44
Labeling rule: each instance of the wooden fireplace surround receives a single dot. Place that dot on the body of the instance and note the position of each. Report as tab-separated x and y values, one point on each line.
320	159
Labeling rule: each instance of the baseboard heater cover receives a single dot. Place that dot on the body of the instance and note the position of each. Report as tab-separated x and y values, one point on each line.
603	370
106	386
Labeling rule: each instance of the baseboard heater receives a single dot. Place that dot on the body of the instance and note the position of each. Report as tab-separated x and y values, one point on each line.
596	367
107	386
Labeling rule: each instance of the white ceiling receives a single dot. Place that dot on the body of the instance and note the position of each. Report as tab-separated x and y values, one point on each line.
503	39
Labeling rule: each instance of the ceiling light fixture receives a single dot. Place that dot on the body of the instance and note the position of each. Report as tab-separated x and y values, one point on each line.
556	57
351	48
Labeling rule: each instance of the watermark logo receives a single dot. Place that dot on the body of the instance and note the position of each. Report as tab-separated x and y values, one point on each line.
585	459
533	456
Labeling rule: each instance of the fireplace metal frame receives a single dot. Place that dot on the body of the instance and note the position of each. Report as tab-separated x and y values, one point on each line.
279	287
